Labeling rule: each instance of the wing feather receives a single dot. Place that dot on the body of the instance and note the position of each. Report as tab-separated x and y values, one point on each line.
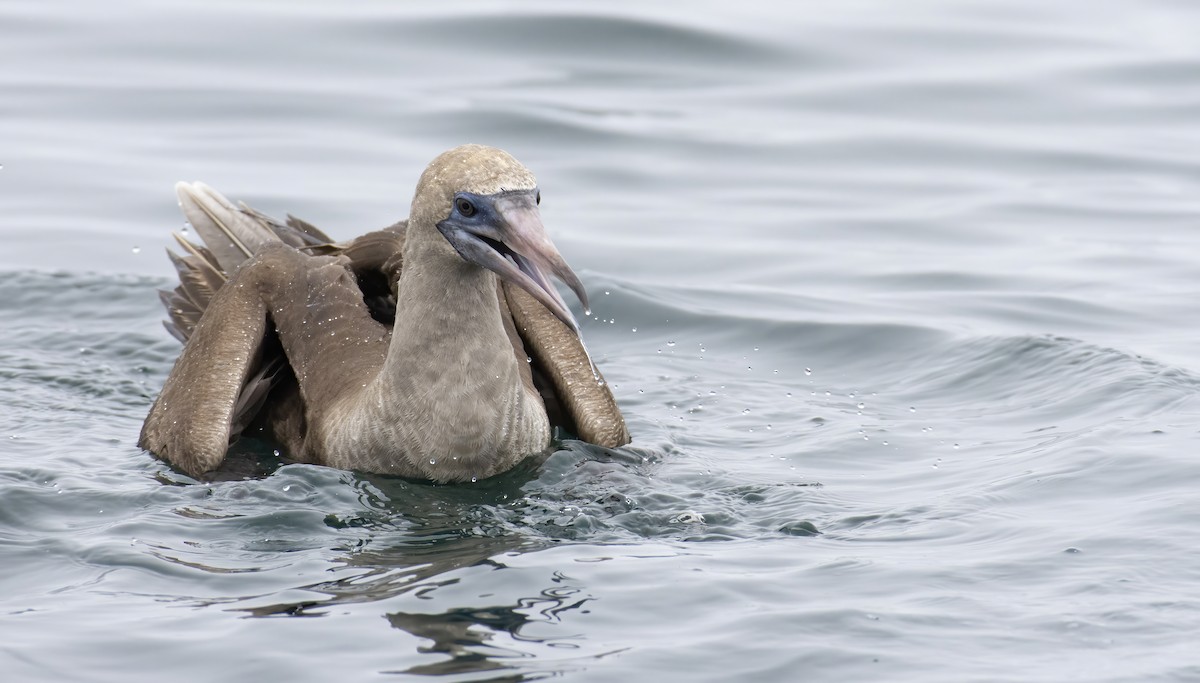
192	420
559	354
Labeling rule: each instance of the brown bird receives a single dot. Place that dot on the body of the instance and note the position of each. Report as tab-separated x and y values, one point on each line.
435	349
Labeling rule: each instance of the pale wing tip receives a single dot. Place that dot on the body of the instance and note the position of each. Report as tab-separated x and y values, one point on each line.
185	190
200	192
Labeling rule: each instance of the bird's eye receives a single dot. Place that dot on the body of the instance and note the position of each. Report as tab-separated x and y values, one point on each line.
464	207
539	198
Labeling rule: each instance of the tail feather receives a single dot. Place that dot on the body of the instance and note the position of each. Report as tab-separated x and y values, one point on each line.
232	235
255	392
295	232
197	284
167	297
205	256
313	233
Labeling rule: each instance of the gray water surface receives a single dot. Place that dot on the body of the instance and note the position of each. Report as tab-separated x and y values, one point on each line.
901	303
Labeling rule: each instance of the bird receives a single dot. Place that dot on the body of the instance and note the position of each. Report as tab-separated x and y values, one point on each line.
435	349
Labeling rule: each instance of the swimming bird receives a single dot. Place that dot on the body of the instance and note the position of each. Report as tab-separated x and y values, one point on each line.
437	348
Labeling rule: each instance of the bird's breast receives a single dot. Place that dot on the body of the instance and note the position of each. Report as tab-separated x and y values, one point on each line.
442	431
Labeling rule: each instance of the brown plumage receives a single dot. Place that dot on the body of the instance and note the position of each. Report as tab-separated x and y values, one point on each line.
434	348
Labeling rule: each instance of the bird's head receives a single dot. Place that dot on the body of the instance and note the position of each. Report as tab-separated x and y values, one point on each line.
485	205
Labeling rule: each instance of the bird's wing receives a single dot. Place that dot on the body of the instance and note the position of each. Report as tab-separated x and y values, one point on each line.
231	235
560	358
233	360
191	422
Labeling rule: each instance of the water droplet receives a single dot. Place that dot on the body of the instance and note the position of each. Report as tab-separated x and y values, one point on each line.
670	343
912	409
432	461
861	406
287	488
746	411
276	452
768	426
788	394
955	446
634	329
606	292
885	443
137	250
475	479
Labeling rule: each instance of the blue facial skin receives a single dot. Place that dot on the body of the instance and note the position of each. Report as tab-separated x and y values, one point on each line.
476	214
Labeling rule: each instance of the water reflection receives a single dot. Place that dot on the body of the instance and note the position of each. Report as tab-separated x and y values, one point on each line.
500	633
466	634
416	565
406	544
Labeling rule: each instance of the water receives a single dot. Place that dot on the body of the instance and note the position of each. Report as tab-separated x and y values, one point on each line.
901	305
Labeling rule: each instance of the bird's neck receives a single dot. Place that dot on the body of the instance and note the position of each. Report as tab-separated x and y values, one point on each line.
451	384
448	324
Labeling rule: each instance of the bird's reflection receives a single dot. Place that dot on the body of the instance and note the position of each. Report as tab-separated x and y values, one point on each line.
466	634
415	565
427	544
472	638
